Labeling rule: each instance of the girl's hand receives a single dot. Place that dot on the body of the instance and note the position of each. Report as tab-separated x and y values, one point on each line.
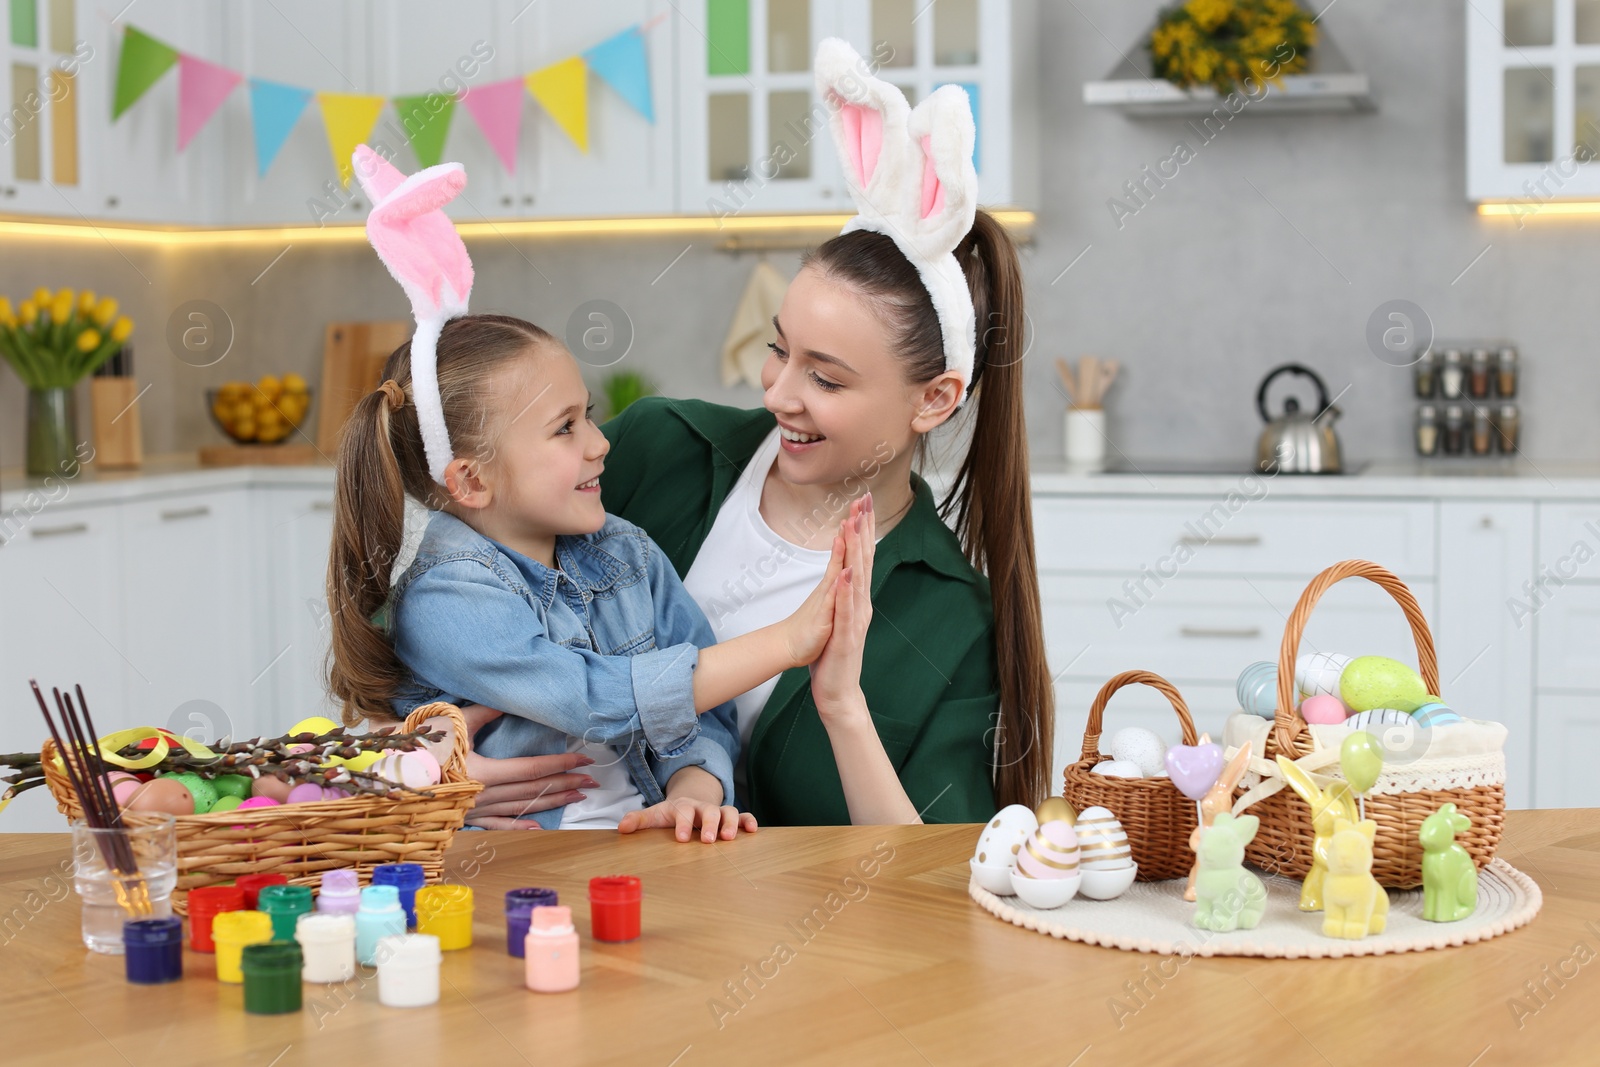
685	813
520	785
836	674
806	631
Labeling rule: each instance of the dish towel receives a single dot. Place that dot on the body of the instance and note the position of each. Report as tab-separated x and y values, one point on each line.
745	350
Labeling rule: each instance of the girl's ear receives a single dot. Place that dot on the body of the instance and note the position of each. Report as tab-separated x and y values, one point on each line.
467	484
936	401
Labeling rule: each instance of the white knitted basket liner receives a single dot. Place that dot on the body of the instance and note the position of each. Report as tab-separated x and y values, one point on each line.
1154	917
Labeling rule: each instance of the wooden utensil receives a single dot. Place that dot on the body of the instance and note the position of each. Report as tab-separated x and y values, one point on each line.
352	364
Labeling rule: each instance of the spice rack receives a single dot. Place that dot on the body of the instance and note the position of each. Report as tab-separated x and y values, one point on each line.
1467	400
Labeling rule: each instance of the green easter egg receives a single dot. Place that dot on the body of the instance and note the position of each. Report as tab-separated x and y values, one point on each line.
227	803
1361	760
205	794
1370	682
232	785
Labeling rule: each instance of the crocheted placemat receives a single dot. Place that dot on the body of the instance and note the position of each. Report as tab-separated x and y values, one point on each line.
1154	917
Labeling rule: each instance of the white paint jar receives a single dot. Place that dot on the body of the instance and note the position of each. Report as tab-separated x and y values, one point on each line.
408	970
328	945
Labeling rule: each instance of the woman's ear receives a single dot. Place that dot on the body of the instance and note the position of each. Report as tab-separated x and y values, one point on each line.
466	483
935	401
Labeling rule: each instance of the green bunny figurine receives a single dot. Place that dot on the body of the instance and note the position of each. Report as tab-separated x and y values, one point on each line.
1227	897
1449	879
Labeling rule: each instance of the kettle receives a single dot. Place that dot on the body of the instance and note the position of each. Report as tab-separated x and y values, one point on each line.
1294	442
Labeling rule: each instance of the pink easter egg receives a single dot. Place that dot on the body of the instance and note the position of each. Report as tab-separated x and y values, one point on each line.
257	802
303	793
333	792
1050	853
419	769
1323	710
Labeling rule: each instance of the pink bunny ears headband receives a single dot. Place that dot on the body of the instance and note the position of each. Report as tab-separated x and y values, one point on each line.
911	175
417	242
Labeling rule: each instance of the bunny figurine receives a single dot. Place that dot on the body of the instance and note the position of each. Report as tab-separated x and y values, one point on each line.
1449	879
1218	799
1356	904
1228	897
1327	806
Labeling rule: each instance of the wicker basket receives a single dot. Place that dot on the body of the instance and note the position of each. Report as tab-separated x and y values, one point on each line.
1283	843
303	840
1156	816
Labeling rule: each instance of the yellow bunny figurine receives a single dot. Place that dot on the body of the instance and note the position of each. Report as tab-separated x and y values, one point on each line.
1327	806
1218	799
1356	904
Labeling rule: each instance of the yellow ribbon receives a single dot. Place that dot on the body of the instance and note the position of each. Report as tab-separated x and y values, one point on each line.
111	746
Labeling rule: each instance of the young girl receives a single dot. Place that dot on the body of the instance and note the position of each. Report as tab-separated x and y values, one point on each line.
524	595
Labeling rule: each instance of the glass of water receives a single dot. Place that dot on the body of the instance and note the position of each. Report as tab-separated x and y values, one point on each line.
154	844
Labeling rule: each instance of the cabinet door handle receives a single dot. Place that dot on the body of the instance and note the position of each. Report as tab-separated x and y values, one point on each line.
1243	540
65	528
172	514
1220	631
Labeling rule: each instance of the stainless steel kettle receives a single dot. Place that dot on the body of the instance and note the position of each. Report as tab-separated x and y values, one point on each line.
1295	442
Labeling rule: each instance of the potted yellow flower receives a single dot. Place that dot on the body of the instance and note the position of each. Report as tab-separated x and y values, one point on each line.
52	340
1222	43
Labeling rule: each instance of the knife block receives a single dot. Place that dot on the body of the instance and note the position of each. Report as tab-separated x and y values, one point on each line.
118	441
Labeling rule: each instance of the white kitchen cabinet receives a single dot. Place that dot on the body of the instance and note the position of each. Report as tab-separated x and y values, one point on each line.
297	525
1567	741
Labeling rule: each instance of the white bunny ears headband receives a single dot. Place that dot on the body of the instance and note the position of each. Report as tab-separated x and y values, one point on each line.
418	243
911	175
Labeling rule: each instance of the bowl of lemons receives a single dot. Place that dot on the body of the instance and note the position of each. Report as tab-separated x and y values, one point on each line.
265	412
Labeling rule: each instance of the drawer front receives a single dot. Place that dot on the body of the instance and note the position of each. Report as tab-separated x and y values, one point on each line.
1208	629
1568	638
1201	535
1569	541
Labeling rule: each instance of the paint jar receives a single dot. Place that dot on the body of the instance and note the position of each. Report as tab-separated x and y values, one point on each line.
552	951
407	878
272	977
231	932
154	950
328	943
445	911
519	902
252	884
205	904
408	970
341	892
380	916
614	904
285	903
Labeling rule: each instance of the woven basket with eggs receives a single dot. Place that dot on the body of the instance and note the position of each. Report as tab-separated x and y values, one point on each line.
302	840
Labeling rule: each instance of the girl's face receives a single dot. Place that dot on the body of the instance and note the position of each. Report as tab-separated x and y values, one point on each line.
838	389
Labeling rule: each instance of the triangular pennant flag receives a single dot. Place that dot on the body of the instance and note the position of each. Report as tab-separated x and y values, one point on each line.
621	63
349	119
562	89
274	109
497	107
202	87
144	59
426	119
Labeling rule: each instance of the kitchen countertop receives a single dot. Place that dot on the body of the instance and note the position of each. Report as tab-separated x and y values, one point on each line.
1510	479
896	965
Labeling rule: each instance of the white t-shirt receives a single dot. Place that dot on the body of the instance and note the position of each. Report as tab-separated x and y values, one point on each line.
602	808
746	576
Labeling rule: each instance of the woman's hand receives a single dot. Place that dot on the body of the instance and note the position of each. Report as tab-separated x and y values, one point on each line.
836	674
806	631
694	798
520	785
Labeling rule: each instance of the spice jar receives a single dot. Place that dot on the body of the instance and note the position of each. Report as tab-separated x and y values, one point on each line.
1427	430
1506	372
1478	374
1482	432
1455	429
1425	374
1508	425
1451	375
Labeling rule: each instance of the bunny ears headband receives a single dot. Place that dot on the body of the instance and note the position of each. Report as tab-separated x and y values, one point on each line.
418	243
911	175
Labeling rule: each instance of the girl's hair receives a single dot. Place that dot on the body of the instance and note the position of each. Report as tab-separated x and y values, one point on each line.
990	497
381	461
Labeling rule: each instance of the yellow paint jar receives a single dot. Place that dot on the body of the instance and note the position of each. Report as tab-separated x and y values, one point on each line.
231	931
445	911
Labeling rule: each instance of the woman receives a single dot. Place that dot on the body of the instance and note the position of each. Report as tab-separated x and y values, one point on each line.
947	711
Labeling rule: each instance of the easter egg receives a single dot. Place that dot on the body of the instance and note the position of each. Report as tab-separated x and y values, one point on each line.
362	761
1374	719
304	792
163	794
257	802
205	794
1004	835
225	803
416	769
121	785
268	786
1056	809
1117	768
333	792
1050	853
1323	710
1318	673
232	785
1140	747
1435	714
1257	689
1380	682
1102	842
316	724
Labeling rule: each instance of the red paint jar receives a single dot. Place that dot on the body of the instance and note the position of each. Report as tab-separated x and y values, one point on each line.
252	884
205	904
614	907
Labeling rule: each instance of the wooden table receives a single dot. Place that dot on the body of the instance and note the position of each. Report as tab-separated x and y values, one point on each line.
856	945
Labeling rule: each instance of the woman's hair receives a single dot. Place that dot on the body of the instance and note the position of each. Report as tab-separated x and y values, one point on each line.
990	497
381	461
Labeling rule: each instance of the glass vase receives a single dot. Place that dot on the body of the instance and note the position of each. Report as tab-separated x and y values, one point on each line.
52	431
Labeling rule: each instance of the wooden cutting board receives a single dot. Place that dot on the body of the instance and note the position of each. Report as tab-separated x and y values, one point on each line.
353	355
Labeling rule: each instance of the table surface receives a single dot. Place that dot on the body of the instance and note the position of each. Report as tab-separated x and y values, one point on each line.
827	945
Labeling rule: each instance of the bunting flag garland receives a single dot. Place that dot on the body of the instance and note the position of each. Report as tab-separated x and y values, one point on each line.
561	89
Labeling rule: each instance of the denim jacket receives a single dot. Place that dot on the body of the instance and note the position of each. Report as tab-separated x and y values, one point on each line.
603	648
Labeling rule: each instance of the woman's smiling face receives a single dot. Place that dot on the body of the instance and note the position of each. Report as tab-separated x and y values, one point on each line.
837	388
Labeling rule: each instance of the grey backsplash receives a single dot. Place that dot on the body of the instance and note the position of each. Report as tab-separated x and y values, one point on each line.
1276	242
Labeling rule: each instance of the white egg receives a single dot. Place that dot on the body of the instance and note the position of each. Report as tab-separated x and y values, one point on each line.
1318	672
1117	768
1102	842
1367	720
1140	747
1003	837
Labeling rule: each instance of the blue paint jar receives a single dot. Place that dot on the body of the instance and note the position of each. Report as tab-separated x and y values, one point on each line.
380	917
154	950
519	907
405	877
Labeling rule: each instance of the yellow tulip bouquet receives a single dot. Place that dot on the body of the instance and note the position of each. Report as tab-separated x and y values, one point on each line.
53	339
1222	43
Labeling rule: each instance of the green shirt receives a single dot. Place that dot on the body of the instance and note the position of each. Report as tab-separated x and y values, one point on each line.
928	669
